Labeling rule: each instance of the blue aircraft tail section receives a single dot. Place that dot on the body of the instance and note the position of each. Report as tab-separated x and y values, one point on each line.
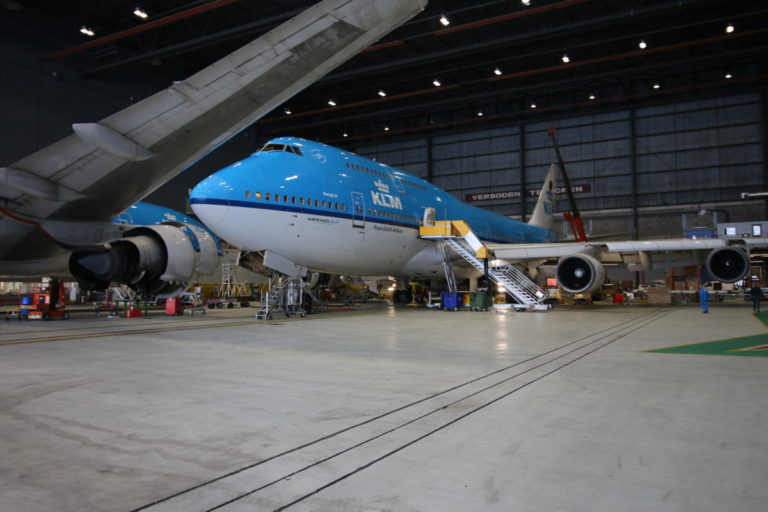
543	213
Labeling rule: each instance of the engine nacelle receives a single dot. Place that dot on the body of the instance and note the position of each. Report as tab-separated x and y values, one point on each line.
162	259
727	264
580	273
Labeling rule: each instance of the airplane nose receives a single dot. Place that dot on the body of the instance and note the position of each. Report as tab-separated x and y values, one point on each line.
210	202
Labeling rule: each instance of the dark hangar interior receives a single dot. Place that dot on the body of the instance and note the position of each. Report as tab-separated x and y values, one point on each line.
661	112
659	105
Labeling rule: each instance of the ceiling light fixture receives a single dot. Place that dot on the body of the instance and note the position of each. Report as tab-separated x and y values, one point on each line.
526	2
140	13
436	82
728	76
85	30
566	59
533	105
345	134
386	128
592	96
642	44
287	111
382	93
730	28
332	103
497	72
479	113
444	20
656	86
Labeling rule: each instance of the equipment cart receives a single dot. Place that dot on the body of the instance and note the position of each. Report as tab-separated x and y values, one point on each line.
480	301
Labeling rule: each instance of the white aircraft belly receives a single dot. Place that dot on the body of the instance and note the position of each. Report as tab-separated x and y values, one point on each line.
319	242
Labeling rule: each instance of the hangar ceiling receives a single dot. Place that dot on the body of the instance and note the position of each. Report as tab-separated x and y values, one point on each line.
494	62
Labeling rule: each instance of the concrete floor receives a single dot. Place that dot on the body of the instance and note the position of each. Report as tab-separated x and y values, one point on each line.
383	410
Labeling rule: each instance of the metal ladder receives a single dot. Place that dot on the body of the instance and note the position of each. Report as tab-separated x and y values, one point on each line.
285	297
513	280
448	269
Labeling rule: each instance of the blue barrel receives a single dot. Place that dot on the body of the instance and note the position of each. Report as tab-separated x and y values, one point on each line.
450	300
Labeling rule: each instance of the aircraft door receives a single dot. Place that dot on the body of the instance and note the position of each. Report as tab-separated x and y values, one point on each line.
358	210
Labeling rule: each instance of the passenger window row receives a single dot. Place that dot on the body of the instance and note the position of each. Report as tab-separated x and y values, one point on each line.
383	175
365	169
392	215
301	201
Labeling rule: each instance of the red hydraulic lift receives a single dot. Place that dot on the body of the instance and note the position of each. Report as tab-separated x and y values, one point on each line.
573	217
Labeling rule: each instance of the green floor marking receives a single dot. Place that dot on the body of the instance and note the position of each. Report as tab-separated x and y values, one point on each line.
748	346
763	317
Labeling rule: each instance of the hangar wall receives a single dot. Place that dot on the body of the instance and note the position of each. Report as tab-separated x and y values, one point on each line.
40	99
639	169
644	167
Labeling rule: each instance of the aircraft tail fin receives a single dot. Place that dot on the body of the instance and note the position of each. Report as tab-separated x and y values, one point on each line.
543	213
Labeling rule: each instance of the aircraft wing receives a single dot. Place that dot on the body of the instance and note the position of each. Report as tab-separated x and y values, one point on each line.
547	251
106	166
580	265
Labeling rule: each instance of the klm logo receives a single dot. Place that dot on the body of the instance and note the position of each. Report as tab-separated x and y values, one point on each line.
386	200
383	187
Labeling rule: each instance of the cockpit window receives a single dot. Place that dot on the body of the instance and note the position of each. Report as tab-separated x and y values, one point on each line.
273	147
281	147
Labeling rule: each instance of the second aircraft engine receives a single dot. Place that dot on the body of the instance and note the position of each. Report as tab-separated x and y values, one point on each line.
580	273
162	259
727	264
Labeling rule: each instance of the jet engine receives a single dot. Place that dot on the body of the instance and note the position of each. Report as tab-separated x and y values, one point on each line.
162	259
580	273
727	264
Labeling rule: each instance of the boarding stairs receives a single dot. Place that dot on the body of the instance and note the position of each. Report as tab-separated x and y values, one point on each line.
459	237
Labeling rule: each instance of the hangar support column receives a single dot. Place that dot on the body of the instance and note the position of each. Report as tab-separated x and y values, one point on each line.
523	175
764	135
633	171
430	170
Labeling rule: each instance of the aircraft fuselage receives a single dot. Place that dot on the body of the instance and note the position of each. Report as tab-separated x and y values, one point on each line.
334	211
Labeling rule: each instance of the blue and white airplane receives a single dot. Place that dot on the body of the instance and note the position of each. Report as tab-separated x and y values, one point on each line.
57	205
313	207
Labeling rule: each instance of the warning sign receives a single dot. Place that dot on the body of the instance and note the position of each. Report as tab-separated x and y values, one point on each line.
516	194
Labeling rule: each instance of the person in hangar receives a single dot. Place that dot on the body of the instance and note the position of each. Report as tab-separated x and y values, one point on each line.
757	295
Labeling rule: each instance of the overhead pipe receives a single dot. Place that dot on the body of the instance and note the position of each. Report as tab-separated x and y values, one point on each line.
359	103
675	90
419	128
510	16
476	48
609	58
529	112
484	94
520	89
141	28
193	44
551	109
